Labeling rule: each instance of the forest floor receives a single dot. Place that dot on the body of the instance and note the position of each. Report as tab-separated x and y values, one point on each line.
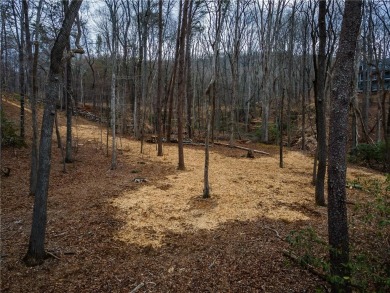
109	233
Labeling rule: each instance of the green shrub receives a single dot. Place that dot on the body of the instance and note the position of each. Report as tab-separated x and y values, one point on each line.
368	153
9	136
369	244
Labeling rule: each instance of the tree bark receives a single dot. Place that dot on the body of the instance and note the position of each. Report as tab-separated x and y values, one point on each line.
189	95
172	83
181	85
36	250
159	79
320	106
206	183
20	38
281	165
114	45
340	98
68	99
32	83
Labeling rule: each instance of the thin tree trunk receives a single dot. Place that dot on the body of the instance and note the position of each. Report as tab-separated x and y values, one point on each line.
189	91
58	134
206	184
32	81
69	108
304	91
320	107
281	132
181	85
172	84
159	79
22	83
114	45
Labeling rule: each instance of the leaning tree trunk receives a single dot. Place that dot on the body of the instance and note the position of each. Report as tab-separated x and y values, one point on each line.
36	249
340	98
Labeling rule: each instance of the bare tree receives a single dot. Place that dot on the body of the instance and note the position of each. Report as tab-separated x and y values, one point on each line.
320	105
181	83
36	250
32	68
342	91
159	78
220	10
172	81
18	15
113	8
238	25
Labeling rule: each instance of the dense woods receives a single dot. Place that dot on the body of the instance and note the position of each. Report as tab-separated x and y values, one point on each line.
304	75
265	49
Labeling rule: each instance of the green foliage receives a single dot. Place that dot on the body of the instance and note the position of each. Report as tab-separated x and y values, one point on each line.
273	133
303	243
368	154
9	136
369	241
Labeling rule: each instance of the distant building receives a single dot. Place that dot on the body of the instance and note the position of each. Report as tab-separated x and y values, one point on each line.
372	72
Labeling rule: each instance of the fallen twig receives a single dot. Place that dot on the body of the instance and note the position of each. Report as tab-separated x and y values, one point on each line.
138	287
276	232
307	266
52	255
241	148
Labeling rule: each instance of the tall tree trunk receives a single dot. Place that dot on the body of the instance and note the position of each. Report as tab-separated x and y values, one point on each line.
320	106
144	71
220	14
36	249
113	7
291	72
172	83
181	85
68	99
33	88
355	102
281	132
234	67
159	79
4	51
340	98
206	183
189	92
304	84
21	48
367	61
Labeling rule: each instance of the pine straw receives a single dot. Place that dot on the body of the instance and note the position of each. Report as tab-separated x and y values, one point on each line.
241	189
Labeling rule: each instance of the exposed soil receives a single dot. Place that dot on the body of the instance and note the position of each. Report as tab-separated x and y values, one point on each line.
109	233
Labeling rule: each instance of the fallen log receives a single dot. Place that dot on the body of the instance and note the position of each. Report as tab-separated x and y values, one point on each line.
241	148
